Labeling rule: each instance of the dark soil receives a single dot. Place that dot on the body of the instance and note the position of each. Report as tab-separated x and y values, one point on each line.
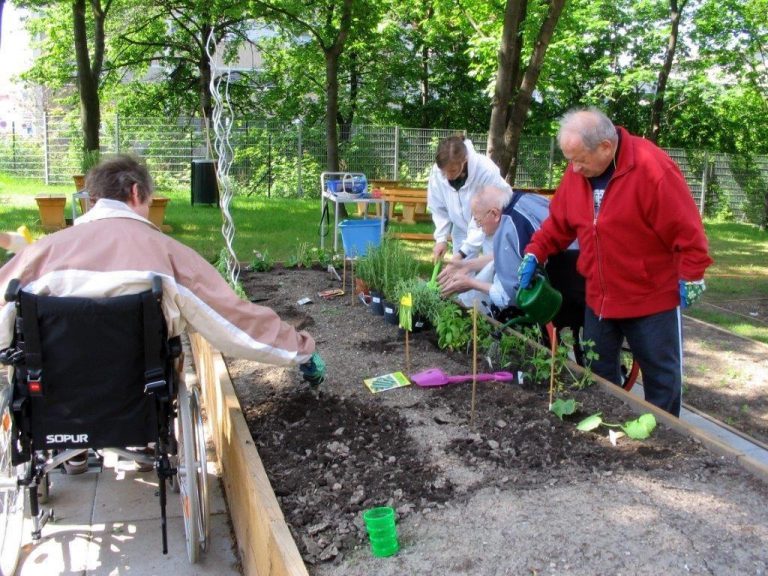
334	452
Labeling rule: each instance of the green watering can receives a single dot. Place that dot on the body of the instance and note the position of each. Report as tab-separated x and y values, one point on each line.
540	302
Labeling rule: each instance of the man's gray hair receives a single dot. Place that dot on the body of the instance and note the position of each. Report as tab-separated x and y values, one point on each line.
490	196
591	124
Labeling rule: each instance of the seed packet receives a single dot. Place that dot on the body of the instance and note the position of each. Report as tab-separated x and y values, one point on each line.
386	382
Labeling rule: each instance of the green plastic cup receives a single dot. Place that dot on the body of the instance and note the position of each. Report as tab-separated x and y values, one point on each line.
382	532
382	550
379	518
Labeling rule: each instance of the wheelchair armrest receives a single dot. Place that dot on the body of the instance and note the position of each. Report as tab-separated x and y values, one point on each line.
12	291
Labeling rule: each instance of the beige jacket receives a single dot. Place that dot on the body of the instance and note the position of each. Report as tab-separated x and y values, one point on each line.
112	251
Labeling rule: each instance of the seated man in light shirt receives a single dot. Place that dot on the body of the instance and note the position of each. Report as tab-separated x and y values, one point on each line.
510	218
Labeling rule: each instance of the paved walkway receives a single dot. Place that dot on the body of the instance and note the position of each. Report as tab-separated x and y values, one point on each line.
722	433
108	523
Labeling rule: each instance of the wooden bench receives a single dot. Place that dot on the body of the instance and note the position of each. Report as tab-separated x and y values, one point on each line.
411	201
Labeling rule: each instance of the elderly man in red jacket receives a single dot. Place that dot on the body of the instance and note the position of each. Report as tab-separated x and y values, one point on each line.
643	248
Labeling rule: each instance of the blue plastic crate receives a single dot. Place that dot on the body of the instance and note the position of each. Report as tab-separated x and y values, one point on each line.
358	235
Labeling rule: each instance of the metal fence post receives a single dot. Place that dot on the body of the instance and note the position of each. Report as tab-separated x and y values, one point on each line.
551	161
117	132
301	155
704	184
13	145
46	151
396	163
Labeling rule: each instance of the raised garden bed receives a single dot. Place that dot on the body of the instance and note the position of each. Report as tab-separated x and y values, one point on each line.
511	491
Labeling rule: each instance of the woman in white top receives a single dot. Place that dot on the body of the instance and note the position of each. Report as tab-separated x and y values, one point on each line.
458	173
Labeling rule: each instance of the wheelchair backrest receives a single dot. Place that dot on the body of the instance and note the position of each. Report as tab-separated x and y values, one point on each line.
87	362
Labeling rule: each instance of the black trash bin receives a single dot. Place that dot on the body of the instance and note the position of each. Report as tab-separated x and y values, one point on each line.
205	189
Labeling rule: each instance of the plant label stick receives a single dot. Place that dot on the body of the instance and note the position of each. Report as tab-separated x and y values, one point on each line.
553	338
474	362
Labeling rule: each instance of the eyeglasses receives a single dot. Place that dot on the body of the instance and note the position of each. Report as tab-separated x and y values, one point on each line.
479	221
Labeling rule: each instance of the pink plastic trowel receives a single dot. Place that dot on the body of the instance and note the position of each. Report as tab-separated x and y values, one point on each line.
436	377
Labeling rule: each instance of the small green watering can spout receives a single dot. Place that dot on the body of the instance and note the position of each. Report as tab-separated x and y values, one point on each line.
432	284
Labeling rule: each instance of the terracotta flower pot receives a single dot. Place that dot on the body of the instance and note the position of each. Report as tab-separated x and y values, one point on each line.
157	210
51	209
79	181
360	286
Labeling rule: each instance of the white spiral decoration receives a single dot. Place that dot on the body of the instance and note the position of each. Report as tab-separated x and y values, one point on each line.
222	118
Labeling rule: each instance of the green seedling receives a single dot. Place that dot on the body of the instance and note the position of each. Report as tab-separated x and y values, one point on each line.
262	262
638	429
562	407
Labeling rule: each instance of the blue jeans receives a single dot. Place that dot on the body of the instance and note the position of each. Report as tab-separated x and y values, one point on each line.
656	342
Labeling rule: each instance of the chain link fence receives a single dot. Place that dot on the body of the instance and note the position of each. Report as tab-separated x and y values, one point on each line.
286	160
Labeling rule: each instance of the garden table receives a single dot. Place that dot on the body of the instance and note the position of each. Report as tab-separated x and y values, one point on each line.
342	198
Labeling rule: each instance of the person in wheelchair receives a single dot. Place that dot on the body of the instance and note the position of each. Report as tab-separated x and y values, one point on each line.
95	351
510	219
643	250
114	249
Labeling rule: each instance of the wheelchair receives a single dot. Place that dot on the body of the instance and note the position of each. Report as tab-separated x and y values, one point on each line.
89	375
562	274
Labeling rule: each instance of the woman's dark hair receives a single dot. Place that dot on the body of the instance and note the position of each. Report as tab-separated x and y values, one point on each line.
114	177
451	150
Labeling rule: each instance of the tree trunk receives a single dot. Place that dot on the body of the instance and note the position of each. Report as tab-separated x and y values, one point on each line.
424	87
204	70
657	110
516	109
332	55
331	110
345	123
507	81
89	70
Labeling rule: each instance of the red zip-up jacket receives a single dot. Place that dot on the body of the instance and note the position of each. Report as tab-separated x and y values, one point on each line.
647	236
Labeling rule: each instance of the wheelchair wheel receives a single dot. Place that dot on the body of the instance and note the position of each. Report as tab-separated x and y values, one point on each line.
192	469
630	369
12	499
201	461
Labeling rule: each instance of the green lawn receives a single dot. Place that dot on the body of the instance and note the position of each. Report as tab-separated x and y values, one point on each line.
282	227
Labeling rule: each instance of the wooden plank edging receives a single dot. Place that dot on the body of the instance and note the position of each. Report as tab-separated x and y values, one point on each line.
264	541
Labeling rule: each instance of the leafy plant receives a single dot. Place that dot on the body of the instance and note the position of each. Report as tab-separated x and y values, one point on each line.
221	267
638	429
454	327
262	262
564	407
325	257
90	159
302	258
385	265
426	302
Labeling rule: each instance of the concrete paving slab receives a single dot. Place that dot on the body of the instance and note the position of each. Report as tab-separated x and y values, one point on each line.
108	523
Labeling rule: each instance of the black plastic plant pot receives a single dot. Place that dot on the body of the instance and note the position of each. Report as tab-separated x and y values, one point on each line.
377	304
390	313
420	324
